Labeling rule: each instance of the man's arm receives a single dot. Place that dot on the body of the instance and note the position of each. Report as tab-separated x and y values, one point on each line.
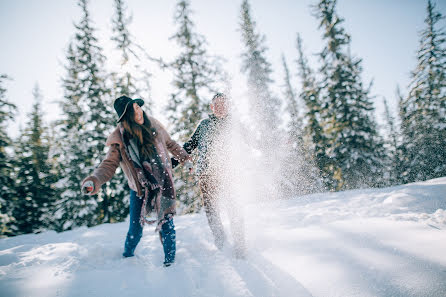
192	143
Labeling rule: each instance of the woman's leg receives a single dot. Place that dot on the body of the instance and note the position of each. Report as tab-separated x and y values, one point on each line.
135	230
168	239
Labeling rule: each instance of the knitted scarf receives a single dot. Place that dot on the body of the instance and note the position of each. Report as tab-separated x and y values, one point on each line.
157	184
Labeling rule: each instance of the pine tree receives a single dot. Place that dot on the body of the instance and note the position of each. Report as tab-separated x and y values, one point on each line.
35	194
197	76
393	158
132	79
347	109
72	208
122	36
264	104
302	177
403	147
7	183
424	110
313	132
295	125
88	119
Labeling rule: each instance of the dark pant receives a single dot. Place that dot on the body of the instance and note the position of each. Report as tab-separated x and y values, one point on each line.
212	191
168	239
134	234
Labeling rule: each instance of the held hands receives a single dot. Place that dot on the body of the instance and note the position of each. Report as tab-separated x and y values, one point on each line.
88	187
189	165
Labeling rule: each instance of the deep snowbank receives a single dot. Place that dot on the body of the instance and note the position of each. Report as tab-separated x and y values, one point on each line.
386	242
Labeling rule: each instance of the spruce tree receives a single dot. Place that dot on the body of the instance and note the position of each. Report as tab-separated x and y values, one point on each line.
72	209
264	104
132	79
313	133
403	149
100	119
302	175
393	158
122	36
424	109
196	75
35	194
88	119
196	78
7	182
347	108
295	126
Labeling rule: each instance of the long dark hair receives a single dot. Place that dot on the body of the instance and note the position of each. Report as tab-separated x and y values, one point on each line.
144	134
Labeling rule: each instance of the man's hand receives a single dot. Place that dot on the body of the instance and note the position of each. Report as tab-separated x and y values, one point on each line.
88	187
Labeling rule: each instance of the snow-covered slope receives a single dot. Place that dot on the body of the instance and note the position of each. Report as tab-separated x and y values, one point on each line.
387	242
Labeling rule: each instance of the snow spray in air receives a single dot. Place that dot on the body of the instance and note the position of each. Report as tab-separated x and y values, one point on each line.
255	161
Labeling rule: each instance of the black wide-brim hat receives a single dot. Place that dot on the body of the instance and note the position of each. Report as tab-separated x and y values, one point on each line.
122	104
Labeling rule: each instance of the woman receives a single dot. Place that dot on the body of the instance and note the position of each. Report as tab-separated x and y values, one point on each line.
140	145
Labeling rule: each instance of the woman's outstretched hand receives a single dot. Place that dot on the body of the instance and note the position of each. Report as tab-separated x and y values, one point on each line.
88	187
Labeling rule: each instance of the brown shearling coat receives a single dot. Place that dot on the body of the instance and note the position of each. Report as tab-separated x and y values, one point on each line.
117	156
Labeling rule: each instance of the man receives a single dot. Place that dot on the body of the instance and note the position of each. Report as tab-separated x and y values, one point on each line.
210	140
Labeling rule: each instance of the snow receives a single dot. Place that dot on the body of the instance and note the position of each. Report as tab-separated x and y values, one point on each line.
372	242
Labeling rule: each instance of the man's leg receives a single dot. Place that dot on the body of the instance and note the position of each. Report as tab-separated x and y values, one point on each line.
135	230
237	228
208	190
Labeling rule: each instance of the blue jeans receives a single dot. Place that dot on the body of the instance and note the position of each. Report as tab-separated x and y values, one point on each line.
167	233
168	238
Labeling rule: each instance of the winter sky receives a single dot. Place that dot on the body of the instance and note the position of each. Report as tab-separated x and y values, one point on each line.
35	35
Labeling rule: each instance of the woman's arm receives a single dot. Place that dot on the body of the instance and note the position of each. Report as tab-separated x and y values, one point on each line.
175	149
105	171
172	146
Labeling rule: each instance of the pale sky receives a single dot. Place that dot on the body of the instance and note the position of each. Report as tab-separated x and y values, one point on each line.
35	34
